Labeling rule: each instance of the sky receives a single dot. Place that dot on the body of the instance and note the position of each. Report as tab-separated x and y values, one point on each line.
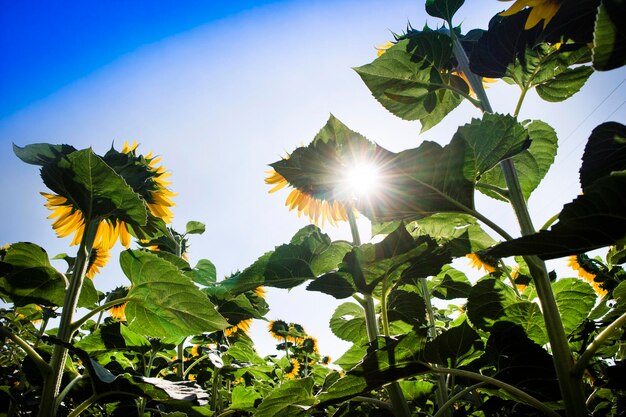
221	89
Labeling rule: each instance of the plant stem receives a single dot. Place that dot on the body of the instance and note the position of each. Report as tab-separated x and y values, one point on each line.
52	383
374	401
43	367
457	397
585	358
76	325
521	395
93	399
400	406
442	387
180	369
571	387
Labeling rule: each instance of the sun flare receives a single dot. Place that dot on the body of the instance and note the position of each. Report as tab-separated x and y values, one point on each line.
363	179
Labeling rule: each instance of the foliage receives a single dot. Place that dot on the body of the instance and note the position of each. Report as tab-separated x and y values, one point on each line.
425	338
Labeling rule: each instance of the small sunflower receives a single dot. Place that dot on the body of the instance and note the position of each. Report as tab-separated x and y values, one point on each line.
279	329
486	81
243	325
309	345
381	49
195	350
325	360
118	311
297	334
485	262
260	292
540	10
291	372
98	258
587	271
518	278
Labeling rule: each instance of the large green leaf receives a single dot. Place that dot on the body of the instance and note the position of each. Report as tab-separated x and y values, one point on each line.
454	345
531	165
113	336
443	9
450	283
42	153
163	301
605	152
490	140
406	306
411	78
291	399
593	220
609	38
491	301
461	233
575	299
204	273
27	277
423	181
244	398
348	323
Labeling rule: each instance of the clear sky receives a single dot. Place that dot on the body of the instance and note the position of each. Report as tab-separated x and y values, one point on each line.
221	89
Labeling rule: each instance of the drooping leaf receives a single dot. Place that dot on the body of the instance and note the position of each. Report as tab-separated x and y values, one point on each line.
42	153
454	345
443	9
113	336
27	277
412	79
292	399
348	323
605	152
163	301
490	140
531	165
593	220
575	299
337	284
521	362
407	307
195	228
204	273
565	84
491	301
609	38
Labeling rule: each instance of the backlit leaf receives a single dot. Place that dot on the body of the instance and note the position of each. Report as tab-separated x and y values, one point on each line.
292	399
609	38
443	9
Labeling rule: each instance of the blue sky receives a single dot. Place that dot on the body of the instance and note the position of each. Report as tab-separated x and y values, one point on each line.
221	89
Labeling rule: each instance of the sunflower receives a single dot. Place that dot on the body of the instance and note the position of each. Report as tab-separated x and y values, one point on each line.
309	345
70	219
485	262
587	271
278	329
540	10
195	350
308	205
297	334
517	279
118	311
260	292
325	360
243	325
486	81
291	372
98	258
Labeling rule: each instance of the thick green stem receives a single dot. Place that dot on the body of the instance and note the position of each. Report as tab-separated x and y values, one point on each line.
52	382
571	387
76	325
585	358
400	406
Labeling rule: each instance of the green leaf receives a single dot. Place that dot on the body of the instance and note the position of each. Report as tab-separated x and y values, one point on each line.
113	336
94	188
338	285
609	38
491	301
521	362
42	153
163	301
27	277
565	84
443	9
204	273
411	80
348	323
244	398
593	220
450	283
575	299
454	345
460	233
195	228
422	181
352	356
605	153
291	399
406	306
88	295
494	138
531	165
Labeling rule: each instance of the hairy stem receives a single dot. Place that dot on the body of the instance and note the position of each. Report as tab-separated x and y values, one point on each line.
43	367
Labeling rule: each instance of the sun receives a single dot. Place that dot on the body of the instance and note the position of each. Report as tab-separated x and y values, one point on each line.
362	179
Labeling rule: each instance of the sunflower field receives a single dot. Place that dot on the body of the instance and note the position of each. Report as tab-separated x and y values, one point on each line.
426	340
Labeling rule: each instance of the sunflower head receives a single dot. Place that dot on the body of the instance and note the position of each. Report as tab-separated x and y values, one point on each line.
309	345
196	350
243	325
325	360
291	371
481	261
381	49
588	271
279	329
521	280
118	311
98	258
